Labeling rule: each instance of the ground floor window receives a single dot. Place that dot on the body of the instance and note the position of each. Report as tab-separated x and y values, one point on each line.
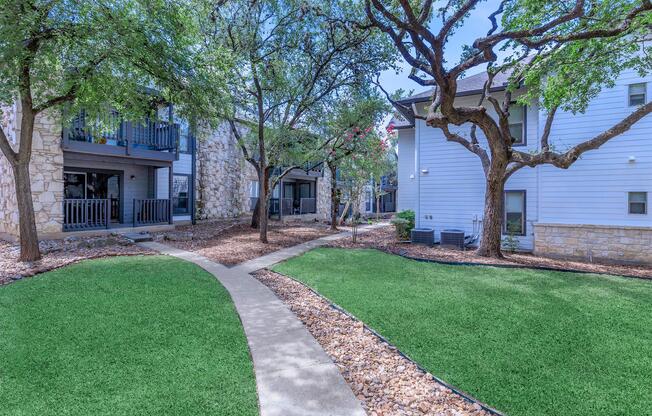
514	213
367	201
74	185
254	189
181	194
637	202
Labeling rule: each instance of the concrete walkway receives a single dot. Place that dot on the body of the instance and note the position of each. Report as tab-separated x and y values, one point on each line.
271	259
294	376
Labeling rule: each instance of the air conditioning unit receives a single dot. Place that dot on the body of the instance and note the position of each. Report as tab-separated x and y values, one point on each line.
423	236
452	239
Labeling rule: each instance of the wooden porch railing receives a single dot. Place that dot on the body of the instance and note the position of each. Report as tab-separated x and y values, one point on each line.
151	211
85	214
111	129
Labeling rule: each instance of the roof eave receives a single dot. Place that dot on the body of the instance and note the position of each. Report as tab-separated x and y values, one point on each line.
409	101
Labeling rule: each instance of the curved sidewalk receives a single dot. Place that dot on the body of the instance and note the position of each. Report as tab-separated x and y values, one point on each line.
294	376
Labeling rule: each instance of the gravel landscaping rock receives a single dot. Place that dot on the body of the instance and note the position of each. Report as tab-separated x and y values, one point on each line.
384	239
233	242
385	381
59	253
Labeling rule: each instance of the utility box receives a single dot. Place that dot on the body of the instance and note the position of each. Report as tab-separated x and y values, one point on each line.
452	239
423	236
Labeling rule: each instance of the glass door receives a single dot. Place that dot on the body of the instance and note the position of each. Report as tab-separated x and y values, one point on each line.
74	185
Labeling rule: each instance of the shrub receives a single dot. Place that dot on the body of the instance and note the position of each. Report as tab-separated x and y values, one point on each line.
408	215
510	241
404	223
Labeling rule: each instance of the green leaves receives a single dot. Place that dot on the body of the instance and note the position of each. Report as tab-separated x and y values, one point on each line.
295	63
569	73
90	54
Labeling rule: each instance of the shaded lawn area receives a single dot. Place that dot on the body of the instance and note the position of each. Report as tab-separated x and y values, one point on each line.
527	342
122	336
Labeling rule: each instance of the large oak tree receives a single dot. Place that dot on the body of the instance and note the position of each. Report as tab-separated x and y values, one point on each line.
559	55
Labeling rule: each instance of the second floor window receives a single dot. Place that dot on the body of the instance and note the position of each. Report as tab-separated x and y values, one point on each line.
517	124
637	94
184	138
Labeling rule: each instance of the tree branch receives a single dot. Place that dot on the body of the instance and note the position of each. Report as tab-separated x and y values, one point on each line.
566	159
545	146
474	148
5	146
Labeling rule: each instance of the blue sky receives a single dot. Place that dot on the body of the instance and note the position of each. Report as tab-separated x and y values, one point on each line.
476	25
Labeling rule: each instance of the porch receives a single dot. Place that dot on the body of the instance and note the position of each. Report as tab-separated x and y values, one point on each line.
295	196
113	195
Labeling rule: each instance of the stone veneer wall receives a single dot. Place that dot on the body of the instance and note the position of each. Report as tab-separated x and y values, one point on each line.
46	170
617	244
223	176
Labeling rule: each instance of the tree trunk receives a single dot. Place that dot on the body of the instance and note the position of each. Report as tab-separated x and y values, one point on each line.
263	199
377	207
335	199
490	245
255	217
29	250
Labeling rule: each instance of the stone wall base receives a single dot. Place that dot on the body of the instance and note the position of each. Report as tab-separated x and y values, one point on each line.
599	243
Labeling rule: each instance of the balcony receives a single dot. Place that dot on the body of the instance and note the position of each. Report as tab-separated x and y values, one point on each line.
110	135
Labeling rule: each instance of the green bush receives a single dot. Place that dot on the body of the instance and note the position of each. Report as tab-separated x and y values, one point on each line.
404	223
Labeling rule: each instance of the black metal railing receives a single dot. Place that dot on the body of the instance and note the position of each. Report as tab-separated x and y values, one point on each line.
86	214
308	206
111	129
287	206
151	211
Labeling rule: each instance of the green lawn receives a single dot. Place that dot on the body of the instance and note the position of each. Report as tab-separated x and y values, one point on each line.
123	336
524	341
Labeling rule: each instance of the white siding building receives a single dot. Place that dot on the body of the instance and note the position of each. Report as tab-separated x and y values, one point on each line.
596	209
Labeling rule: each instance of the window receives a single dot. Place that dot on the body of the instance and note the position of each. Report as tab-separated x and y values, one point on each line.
184	138
253	189
514	217
74	185
306	190
517	124
181	194
637	94
367	201
637	202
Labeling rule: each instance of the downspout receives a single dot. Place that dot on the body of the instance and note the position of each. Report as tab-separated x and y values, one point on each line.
417	168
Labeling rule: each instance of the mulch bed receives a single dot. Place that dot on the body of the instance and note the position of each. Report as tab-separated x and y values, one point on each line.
384	239
234	242
59	253
385	381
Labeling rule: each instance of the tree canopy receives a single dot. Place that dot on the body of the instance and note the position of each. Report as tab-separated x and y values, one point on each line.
90	54
558	55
